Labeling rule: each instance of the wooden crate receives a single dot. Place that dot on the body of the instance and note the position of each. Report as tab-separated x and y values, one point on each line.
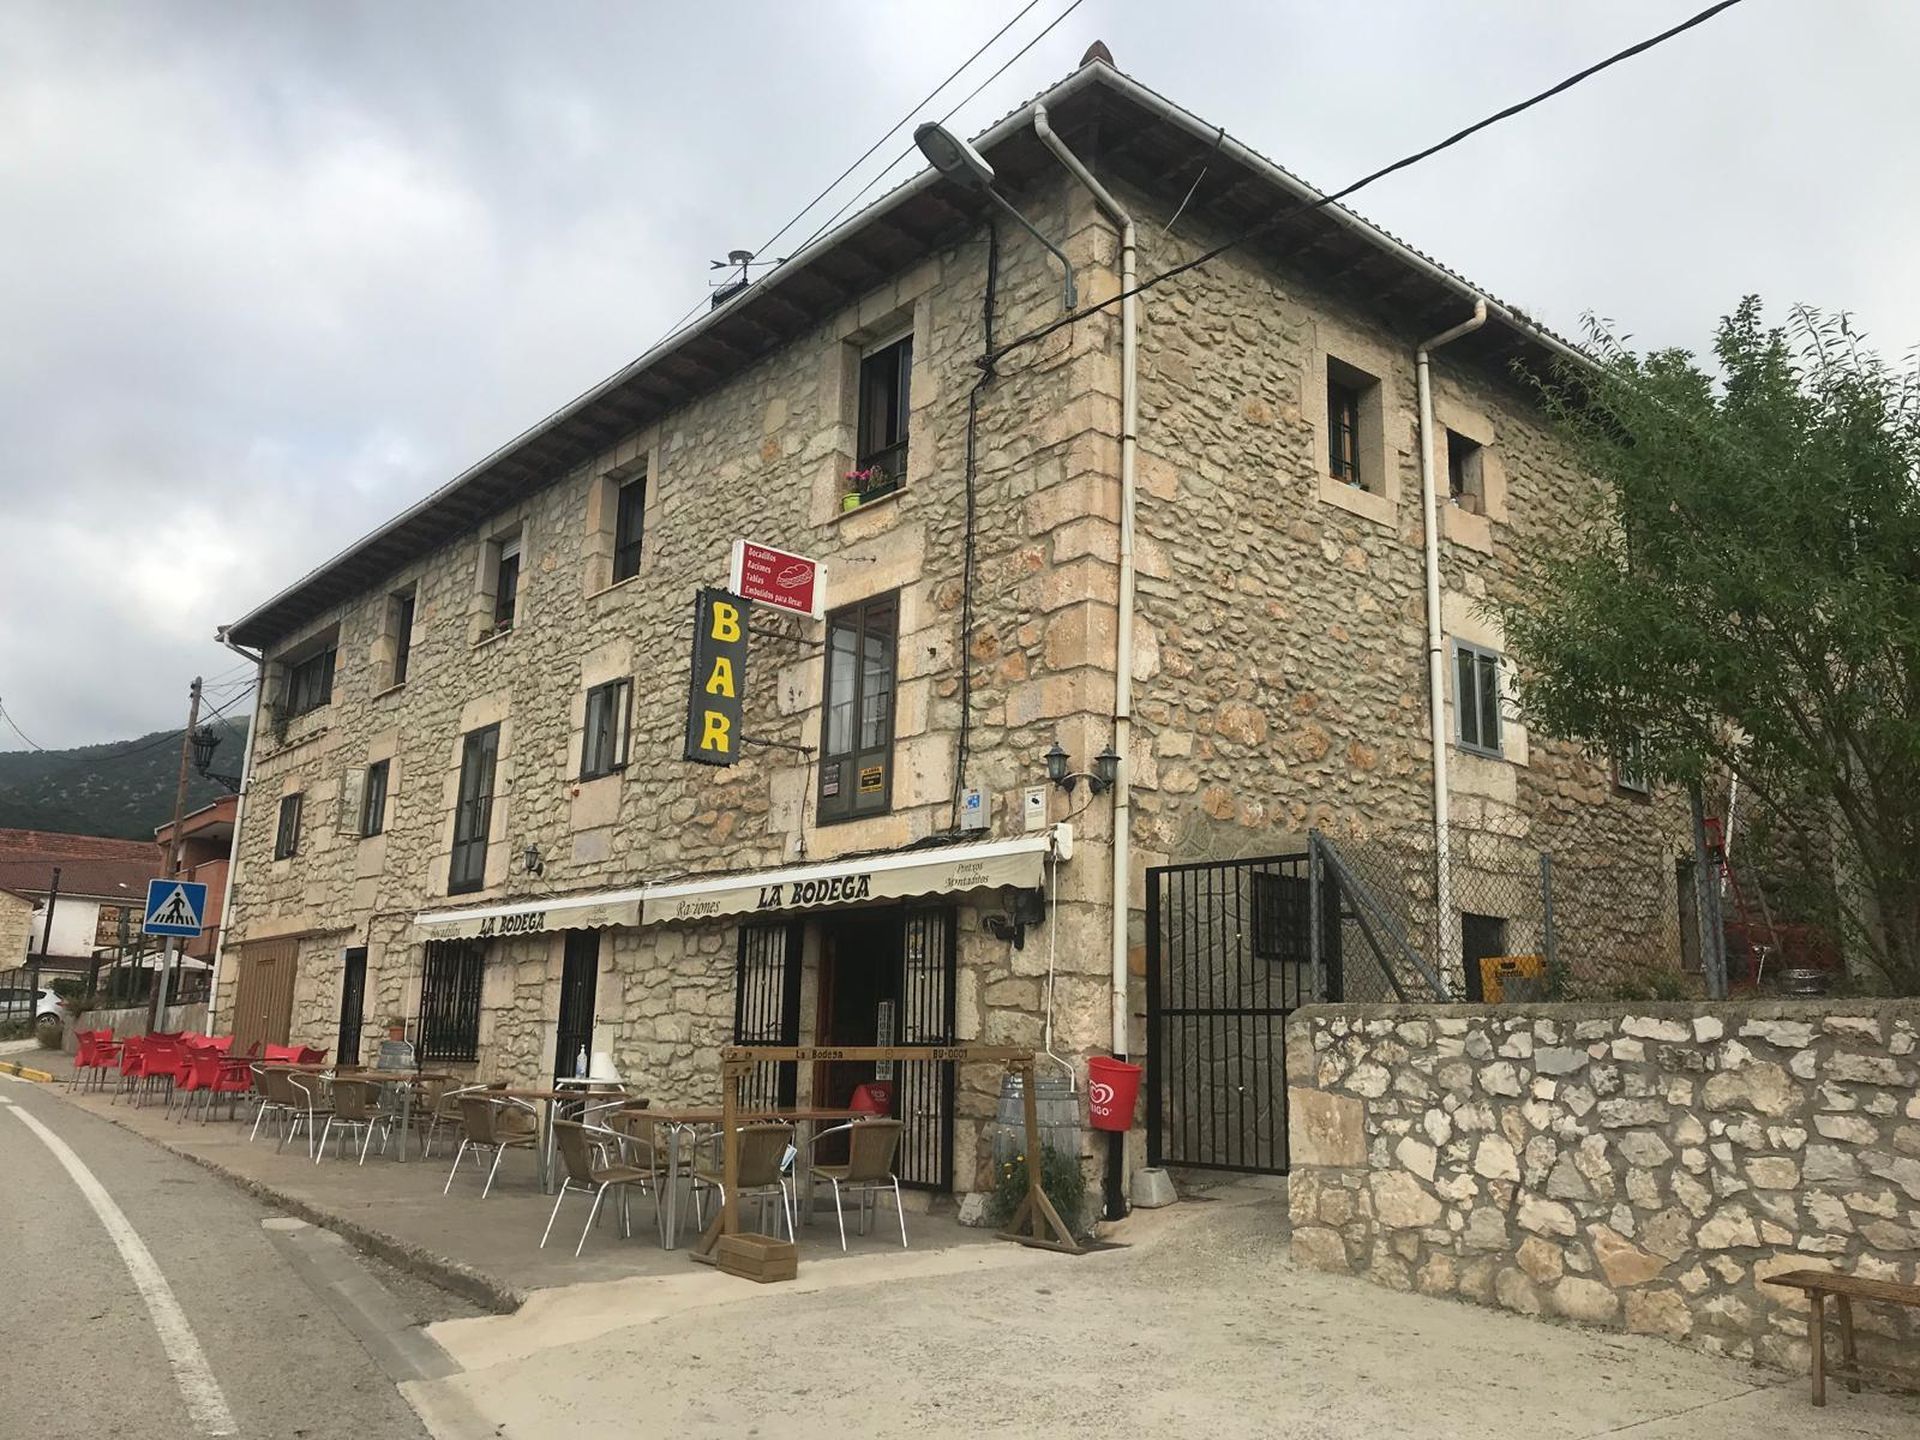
758	1257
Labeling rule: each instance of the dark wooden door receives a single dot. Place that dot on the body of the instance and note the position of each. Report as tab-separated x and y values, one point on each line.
353	1001
579	987
263	995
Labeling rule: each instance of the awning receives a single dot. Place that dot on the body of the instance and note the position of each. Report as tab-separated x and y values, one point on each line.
897	875
530	917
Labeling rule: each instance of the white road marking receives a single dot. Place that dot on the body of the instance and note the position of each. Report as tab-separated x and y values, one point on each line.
191	1373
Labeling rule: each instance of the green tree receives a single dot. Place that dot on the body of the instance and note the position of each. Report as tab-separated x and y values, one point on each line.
1743	593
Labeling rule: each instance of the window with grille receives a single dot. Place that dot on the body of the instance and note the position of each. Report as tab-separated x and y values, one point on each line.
885	404
286	838
473	811
629	525
373	801
450	983
1476	698
310	682
856	753
603	747
402	621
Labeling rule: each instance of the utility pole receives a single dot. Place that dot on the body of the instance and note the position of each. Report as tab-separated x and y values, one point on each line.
46	932
157	1001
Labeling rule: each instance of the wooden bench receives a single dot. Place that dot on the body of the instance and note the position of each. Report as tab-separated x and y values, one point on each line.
1845	1289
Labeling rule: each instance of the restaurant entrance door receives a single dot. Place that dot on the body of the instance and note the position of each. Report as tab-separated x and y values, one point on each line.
887	978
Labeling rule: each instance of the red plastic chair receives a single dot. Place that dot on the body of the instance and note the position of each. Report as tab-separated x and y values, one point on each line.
222	1043
133	1051
103	1057
310	1056
283	1055
166	1057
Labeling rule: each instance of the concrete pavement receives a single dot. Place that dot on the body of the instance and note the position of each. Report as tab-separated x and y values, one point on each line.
97	1344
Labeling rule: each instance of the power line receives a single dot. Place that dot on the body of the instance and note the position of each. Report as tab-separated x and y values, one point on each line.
1275	221
679	324
13	726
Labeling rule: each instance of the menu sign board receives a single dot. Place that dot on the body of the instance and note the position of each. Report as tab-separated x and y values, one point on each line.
778	578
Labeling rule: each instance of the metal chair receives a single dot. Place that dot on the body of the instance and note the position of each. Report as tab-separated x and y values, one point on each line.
493	1123
587	1172
761	1170
356	1111
871	1146
312	1099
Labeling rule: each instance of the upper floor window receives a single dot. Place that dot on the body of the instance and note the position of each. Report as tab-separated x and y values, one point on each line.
629	524
1630	768
473	810
1353	399
1476	698
506	582
856	754
286	838
400	618
1464	486
603	748
373	799
885	405
310	681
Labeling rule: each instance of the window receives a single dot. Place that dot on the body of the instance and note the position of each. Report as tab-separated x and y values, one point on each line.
603	749
373	799
1282	910
885	403
506	583
310	682
1630	768
450	979
1476	698
1343	431
401	618
286	839
1463	473
473	811
630	516
856	761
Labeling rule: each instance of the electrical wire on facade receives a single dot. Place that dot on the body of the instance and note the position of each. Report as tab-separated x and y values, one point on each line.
12	725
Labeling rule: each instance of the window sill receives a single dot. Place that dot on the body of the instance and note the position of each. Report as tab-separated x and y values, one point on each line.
1480	752
1367	504
1469	528
491	636
393	689
865	506
609	589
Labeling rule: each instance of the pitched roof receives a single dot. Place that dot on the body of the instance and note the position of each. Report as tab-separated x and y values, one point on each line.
97	866
1120	125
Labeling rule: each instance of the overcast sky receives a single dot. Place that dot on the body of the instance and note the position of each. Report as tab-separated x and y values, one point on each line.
270	272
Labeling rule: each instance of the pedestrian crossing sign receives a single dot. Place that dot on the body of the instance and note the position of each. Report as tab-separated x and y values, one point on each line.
174	907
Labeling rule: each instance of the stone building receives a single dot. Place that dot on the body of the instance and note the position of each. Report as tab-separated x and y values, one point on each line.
468	811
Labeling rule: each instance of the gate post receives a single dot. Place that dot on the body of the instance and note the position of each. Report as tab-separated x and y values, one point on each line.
1155	1044
1316	918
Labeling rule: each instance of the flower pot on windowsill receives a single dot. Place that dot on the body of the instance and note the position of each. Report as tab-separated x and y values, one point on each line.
850	501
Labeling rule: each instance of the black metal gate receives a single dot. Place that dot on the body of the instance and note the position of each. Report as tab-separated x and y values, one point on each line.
766	1006
923	1089
353	1000
579	986
1229	957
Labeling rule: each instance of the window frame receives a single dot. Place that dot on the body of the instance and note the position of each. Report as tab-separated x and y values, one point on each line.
629	527
286	834
452	978
404	605
1491	659
373	799
615	698
840	767
473	810
506	596
889	364
1630	770
1343	424
1466	478
309	684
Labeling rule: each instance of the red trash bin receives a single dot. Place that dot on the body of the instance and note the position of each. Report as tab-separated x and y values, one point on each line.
1112	1088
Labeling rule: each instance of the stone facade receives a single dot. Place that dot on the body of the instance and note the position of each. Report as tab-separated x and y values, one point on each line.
1642	1168
1278	653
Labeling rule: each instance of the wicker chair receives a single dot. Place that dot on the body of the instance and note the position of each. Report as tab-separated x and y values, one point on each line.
277	1098
493	1123
588	1173
312	1105
356	1109
762	1174
871	1146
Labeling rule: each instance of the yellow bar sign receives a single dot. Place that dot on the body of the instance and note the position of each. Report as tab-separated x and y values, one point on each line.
719	678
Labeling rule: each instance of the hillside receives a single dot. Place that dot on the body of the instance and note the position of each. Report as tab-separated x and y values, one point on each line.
123	789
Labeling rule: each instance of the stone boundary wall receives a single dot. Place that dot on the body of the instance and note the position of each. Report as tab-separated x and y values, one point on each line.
1642	1167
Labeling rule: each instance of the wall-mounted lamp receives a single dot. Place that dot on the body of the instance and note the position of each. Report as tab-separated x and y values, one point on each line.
964	165
1106	769
531	860
1023	908
205	740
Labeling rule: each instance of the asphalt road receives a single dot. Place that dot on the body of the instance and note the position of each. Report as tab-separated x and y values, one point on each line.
229	1326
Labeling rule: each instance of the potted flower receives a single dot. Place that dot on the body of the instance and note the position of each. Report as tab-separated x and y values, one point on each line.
857	483
396	1027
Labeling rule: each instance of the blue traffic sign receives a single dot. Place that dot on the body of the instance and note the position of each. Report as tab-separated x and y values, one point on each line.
174	907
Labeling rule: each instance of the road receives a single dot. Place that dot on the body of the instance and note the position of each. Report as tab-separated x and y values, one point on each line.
234	1322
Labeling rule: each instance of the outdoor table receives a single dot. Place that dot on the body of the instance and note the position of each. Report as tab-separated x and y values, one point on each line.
547	1100
679	1120
407	1080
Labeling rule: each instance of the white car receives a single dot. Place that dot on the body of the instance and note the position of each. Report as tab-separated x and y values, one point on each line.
21	1002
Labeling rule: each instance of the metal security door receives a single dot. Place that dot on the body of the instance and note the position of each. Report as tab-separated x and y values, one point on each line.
1229	957
579	987
923	1089
766	1006
263	996
353	999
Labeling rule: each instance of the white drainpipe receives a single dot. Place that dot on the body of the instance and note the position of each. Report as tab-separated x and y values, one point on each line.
1444	926
1123	626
